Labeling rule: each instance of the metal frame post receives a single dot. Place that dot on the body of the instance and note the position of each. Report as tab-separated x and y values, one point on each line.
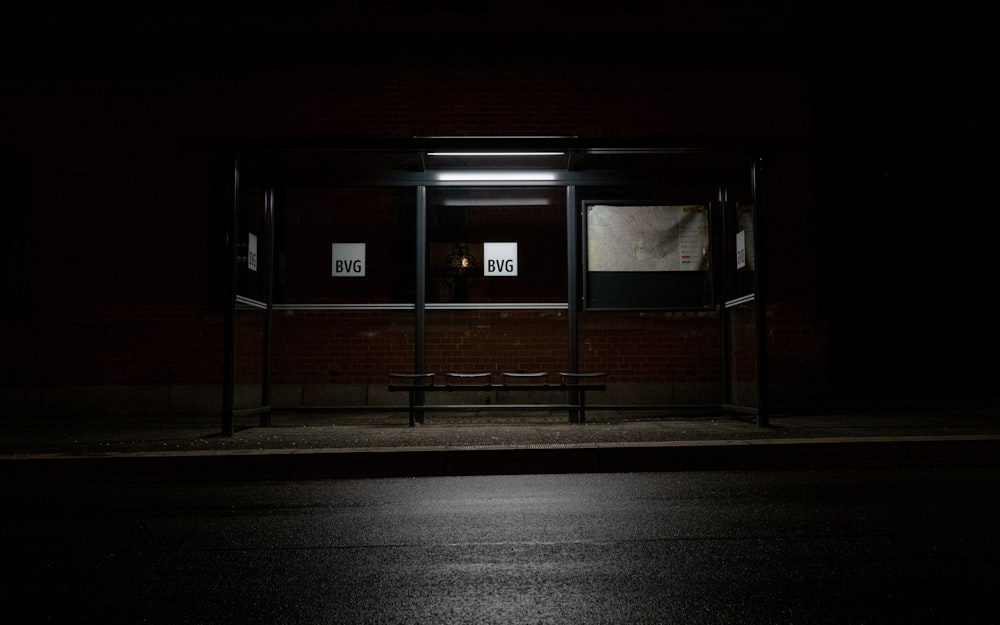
265	382
725	316
229	339
572	295
760	299
420	299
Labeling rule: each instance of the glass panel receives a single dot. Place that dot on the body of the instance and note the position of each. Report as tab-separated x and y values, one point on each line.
251	244
654	358
496	342
496	244
648	248
249	364
346	246
339	357
740	248
342	247
742	383
655	333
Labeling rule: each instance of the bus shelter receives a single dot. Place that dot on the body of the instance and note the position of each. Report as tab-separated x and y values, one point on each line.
517	254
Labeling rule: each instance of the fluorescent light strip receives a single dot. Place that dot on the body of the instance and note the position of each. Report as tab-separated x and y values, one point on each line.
495	153
499	306
523	201
462	176
343	306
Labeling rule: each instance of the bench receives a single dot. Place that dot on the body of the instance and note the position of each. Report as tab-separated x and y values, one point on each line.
414	383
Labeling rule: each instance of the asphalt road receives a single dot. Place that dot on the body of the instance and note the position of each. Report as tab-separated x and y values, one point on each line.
916	546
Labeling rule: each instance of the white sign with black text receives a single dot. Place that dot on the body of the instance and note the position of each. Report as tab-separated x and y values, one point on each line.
252	252
349	260
499	259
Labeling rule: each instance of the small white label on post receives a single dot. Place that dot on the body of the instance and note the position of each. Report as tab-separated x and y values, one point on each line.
499	259
349	260
252	252
741	249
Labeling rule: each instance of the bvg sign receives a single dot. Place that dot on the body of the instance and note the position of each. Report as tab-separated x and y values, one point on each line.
499	259
349	260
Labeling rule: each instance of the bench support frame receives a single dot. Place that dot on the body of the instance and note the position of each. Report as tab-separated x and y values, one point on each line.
417	384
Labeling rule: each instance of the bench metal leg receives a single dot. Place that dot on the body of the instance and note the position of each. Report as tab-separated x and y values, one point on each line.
577	406
416	413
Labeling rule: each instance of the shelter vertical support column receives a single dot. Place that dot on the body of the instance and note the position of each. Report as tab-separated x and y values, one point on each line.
229	338
265	382
572	296
725	316
760	299
419	304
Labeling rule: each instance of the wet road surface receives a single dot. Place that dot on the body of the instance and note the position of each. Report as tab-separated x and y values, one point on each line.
916	546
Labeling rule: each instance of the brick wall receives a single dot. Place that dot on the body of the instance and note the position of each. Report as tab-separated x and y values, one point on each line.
496	341
652	347
341	347
124	224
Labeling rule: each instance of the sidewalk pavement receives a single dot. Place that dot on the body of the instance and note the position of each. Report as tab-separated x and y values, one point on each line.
305	445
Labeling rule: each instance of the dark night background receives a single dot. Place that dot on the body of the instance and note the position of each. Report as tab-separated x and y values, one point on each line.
902	134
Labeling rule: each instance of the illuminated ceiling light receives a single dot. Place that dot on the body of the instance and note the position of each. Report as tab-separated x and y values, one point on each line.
474	154
521	201
486	176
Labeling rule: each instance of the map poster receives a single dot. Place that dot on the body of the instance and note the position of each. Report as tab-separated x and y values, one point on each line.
647	238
